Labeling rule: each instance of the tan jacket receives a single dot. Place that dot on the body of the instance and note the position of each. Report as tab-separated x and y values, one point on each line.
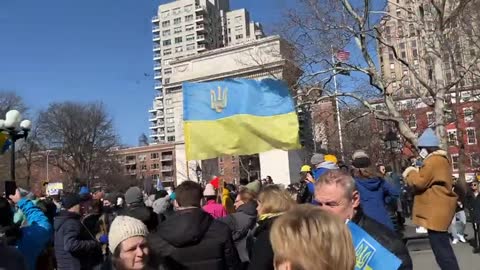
434	203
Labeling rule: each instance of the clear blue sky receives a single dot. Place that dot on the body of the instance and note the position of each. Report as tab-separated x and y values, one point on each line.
91	50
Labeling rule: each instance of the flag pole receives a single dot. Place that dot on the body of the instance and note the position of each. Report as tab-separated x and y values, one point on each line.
337	107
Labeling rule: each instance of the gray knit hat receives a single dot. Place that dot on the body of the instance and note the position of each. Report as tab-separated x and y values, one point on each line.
134	195
124	227
317	158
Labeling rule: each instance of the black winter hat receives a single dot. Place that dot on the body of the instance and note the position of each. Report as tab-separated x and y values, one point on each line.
70	200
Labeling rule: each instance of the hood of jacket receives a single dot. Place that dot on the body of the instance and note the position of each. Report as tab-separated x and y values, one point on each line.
442	153
371	184
160	205
250	208
185	227
62	217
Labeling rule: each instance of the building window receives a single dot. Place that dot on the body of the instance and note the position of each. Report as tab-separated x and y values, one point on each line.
190	47
167	52
170	120
167	42
154	155
165	23
177	21
171	129
430	119
188	8
452	136
154	166
404	54
171	138
155	176
179	49
412	121
413	43
415	53
454	161
166	33
143	167
471	136
176	11
165	14
189	18
475	160
170	111
190	37
168	101
189	27
238	36
468	114
168	71
177	30
178	40
392	66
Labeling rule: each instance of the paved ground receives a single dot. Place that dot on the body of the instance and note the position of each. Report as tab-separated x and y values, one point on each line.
423	258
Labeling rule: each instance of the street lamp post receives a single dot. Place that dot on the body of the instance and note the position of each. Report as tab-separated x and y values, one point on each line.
198	171
48	153
391	144
16	129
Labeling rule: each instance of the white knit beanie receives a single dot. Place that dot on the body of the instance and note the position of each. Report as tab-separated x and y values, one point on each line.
124	227
209	190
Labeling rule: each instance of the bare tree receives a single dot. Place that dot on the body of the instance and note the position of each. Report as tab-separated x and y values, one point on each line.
82	136
10	101
28	154
143	140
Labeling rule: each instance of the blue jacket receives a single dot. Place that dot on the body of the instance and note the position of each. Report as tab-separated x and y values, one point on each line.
375	193
36	235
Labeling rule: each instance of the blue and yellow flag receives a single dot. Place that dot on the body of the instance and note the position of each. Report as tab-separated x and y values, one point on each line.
371	255
4	143
238	117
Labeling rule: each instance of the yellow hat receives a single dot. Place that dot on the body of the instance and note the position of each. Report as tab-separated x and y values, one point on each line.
331	158
305	168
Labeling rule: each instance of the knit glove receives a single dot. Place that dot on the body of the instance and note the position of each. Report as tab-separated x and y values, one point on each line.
409	170
103	239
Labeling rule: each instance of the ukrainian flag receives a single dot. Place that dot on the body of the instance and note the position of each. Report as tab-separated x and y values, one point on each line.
238	117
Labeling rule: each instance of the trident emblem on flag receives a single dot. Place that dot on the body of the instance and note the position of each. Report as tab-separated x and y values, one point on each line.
218	101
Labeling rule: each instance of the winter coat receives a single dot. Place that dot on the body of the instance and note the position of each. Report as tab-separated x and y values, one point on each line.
37	233
215	209
75	248
375	194
143	213
434	202
386	237
259	246
12	259
473	204
193	239
241	223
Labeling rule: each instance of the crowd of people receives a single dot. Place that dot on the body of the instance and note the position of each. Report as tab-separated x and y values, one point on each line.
255	225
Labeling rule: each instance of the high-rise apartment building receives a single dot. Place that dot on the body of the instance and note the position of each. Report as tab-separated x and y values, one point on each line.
185	28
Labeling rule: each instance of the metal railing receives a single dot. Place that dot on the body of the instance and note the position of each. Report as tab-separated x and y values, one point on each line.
169	157
157	55
155	18
154	28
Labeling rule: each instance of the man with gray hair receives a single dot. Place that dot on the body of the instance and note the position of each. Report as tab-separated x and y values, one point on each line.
336	193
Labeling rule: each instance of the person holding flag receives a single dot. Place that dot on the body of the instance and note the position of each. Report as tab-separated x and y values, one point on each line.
377	246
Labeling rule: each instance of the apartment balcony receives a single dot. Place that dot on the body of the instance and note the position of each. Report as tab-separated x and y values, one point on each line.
167	158
156	37
167	168
157	56
156	29
158	75
200	27
199	8
152	110
200	18
201	47
157	66
155	19
200	38
156	47
158	85
159	96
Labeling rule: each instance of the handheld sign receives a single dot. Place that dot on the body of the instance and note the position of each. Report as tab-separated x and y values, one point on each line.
371	255
54	188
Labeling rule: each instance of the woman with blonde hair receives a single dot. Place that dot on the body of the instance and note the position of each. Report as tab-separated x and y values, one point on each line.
273	201
308	237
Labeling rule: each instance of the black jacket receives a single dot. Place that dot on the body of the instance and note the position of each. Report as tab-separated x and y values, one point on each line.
192	239
473	205
241	223
75	248
142	213
386	237
260	248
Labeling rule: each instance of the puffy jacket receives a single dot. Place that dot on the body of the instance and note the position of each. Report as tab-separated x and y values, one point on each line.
375	194
241	223
215	209
386	237
143	213
35	235
161	205
75	248
192	239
